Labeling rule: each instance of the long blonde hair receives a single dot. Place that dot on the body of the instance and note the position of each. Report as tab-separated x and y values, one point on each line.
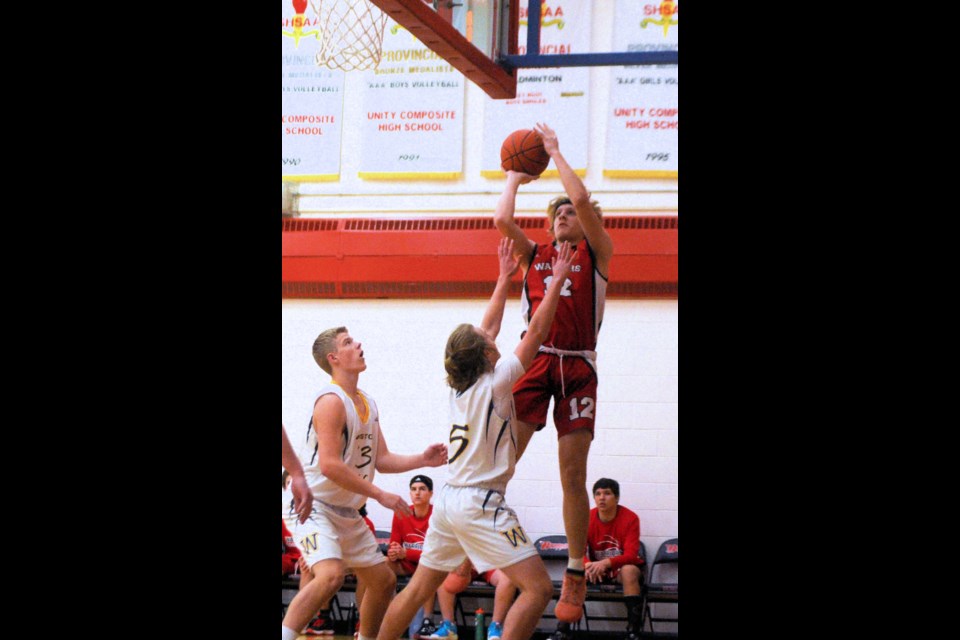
465	358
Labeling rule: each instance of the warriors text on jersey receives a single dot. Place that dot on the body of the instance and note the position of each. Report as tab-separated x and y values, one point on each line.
483	447
357	448
580	309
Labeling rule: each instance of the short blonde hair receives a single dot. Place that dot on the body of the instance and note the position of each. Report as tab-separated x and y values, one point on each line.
325	344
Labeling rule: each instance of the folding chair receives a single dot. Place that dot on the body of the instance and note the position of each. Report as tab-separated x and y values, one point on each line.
383	540
663	582
554	551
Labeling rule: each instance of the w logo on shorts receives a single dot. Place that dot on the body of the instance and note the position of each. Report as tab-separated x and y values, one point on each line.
309	543
515	534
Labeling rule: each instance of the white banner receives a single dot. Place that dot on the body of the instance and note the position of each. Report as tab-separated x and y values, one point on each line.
642	116
412	119
558	96
312	101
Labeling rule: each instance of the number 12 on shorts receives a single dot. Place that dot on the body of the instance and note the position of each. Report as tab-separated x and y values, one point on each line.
585	410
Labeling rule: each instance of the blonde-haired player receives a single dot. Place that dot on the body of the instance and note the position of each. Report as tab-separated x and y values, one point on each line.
470	516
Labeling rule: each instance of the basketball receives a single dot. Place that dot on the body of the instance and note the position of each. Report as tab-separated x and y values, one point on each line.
523	151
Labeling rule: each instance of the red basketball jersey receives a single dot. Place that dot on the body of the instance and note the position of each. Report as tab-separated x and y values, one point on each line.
580	309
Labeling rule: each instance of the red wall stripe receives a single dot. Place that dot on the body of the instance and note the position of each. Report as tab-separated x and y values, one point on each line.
453	257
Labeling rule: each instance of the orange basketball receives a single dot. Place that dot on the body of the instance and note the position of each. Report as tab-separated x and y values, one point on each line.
523	151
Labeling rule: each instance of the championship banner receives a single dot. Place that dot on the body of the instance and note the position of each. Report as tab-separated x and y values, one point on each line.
642	116
312	101
412	118
557	96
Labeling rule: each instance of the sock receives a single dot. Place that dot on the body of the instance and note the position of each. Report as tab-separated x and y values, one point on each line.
286	633
576	565
363	637
633	604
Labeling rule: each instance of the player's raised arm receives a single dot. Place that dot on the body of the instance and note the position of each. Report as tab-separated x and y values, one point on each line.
493	317
540	323
590	222
503	217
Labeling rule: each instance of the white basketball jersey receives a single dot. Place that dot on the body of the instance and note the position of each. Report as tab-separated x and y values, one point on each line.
483	446
358	449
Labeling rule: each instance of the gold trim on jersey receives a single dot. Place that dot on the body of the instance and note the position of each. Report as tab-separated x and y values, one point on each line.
363	412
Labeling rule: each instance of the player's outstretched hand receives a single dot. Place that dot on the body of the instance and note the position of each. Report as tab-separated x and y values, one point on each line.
563	262
302	497
435	455
550	143
522	178
395	503
508	263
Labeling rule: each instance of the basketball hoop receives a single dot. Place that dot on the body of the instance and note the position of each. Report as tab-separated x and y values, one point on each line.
351	34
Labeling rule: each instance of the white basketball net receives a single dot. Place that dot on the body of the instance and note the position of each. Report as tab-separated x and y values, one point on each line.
352	34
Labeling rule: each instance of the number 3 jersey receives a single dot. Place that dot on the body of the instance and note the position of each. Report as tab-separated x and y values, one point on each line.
483	445
580	308
357	447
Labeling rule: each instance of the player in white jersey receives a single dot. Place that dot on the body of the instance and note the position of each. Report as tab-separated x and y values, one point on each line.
470	516
347	447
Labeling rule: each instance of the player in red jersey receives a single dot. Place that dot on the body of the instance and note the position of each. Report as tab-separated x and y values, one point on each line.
565	368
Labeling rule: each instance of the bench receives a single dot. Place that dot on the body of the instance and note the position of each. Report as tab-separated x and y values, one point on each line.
553	551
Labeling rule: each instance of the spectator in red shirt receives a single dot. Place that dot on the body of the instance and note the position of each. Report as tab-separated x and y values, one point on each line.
406	542
613	552
289	554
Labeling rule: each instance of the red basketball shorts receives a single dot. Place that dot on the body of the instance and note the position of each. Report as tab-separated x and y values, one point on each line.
575	395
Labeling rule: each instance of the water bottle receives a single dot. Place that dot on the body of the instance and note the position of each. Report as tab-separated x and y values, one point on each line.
481	631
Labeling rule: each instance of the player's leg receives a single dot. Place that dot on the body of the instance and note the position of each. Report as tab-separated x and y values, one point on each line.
327	580
574	415
381	587
505	592
321	553
573	449
448	626
531	578
426	626
525	432
531	397
404	607
630	577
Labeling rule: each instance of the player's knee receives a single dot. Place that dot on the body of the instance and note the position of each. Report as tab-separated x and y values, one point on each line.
542	589
573	478
630	574
386	584
326	582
